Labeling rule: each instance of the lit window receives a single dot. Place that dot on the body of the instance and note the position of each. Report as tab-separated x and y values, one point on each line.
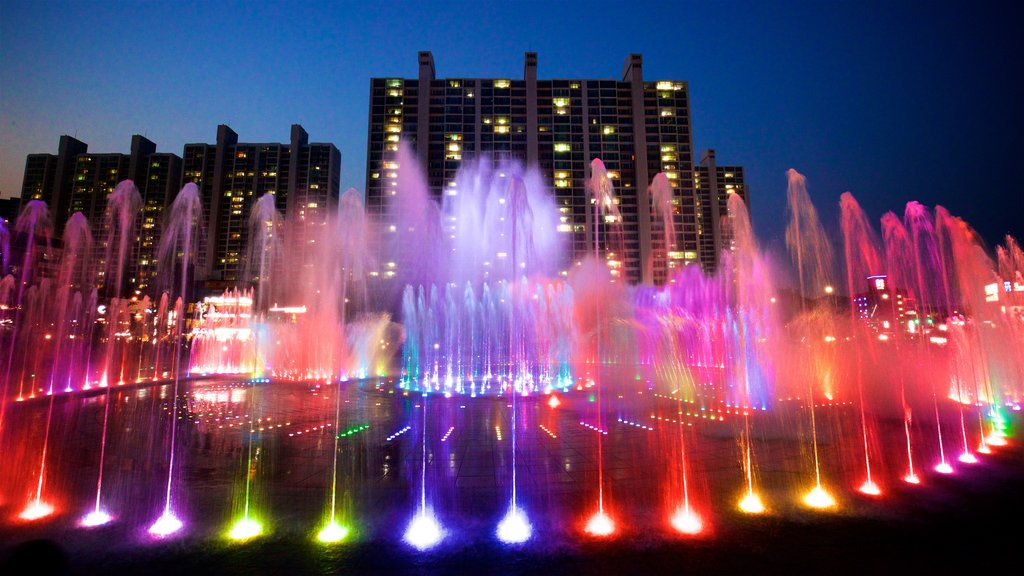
502	83
562	147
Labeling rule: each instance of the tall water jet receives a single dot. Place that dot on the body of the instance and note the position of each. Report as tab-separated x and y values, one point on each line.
602	196
424	531
930	288
661	197
264	251
975	328
32	235
812	254
863	260
75	275
122	210
355	253
754	320
515	527
899	264
351	222
177	255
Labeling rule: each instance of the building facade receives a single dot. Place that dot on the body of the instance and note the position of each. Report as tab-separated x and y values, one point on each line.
304	177
74	180
714	184
637	128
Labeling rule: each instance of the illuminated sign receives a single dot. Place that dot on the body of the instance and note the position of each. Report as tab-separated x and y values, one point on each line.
992	292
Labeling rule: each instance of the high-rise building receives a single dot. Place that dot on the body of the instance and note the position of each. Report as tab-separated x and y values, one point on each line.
637	128
49	177
714	184
158	187
9	209
75	180
304	177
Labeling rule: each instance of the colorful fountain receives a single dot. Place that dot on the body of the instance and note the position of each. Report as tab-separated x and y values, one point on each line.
477	384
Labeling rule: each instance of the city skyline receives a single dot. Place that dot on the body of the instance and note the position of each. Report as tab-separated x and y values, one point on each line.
919	109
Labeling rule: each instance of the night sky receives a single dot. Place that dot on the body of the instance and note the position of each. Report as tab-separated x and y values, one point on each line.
921	101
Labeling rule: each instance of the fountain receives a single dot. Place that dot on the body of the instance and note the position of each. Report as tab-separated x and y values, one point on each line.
446	368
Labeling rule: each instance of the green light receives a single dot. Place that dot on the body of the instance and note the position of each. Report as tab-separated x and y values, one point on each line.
245	529
592	398
353	431
332	532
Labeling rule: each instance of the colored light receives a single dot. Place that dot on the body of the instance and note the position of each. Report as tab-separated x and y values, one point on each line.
996	439
912	479
245	529
96	518
870	488
600	525
944	468
165	525
36	510
424	531
968	458
984	449
332	533
554	402
687	522
514	528
751	504
819	498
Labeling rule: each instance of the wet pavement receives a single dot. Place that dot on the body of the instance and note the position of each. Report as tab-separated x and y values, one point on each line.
639	456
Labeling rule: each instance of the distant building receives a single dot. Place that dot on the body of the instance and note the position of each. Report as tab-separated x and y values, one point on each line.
305	178
637	128
49	177
75	180
9	209
714	184
885	309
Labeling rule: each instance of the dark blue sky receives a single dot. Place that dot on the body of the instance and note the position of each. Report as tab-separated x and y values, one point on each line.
889	101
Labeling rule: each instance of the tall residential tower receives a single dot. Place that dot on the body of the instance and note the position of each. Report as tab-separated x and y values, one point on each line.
637	128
